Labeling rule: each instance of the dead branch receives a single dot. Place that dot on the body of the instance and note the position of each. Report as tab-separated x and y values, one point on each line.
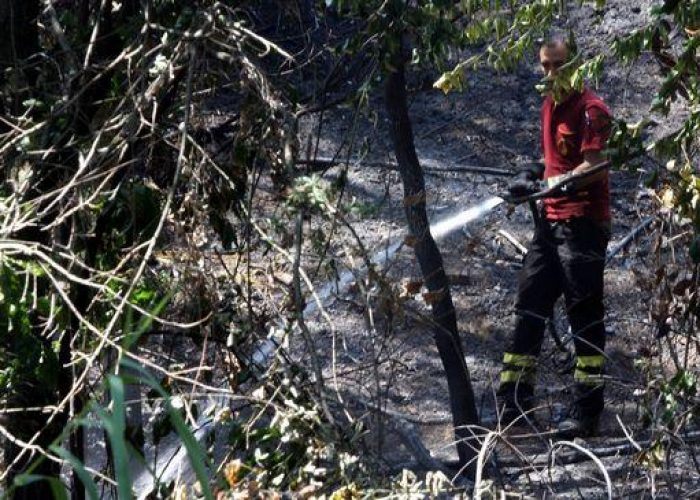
600	452
408	433
513	241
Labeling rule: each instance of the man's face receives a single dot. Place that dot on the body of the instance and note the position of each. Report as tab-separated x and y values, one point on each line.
552	58
557	73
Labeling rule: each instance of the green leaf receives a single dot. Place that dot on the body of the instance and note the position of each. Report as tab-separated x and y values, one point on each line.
132	335
57	488
194	450
79	468
115	426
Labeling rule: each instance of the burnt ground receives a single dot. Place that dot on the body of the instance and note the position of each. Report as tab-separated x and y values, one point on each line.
379	349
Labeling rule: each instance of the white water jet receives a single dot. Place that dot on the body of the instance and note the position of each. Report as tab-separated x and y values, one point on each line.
347	276
439	230
450	224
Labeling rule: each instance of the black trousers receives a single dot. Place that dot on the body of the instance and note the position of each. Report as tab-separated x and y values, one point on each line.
564	257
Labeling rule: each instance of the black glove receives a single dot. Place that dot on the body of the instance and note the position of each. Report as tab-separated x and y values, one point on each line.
526	182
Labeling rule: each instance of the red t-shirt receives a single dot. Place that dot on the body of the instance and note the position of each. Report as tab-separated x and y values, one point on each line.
580	123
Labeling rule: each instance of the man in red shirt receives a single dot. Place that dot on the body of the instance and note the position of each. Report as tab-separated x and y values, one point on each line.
567	252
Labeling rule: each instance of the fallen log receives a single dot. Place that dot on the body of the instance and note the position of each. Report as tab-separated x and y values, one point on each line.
515	466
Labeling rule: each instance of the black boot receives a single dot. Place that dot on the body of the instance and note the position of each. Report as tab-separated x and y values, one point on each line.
583	416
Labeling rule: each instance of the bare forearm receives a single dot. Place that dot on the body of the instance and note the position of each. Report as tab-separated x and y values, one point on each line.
591	160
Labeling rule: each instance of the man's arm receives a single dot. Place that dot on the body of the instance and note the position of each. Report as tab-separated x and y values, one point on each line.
591	159
595	133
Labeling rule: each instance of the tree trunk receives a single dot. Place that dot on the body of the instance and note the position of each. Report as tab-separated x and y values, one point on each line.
430	261
19	38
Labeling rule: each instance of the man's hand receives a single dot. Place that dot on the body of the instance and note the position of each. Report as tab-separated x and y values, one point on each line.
526	182
567	184
561	185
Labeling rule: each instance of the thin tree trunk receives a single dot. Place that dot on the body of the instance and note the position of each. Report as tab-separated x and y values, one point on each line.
430	261
19	39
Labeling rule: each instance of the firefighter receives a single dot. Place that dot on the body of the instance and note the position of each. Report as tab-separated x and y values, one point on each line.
567	252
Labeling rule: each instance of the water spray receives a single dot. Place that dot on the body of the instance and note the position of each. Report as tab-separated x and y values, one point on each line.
439	231
450	224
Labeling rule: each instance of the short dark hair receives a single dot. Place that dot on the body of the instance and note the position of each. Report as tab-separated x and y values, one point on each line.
568	42
553	43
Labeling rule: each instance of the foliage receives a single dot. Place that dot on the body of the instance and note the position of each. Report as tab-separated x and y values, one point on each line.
109	160
501	32
671	38
29	361
679	66
503	37
288	446
112	418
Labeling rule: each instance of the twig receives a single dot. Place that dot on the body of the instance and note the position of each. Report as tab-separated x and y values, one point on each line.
50	456
104	335
326	163
93	36
470	169
628	434
299	302
439	127
485	446
608	451
330	103
409	436
513	241
294	260
560	444
57	31
400	415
